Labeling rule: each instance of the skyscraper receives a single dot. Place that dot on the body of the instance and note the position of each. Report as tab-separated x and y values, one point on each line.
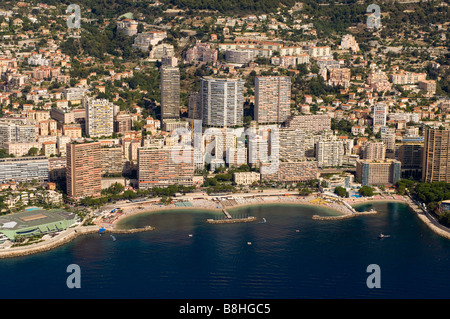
170	92
436	155
99	117
272	99
222	101
83	170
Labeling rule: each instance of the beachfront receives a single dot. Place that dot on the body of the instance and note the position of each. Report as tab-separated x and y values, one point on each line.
111	217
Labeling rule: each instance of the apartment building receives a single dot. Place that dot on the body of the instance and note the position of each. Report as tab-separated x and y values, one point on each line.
99	117
170	93
404	77
83	169
17	132
272	99
246	178
22	169
291	172
436	155
144	40
378	81
309	122
20	149
378	172
374	151
292	144
112	161
222	101
239	56
329	153
164	166
380	112
348	42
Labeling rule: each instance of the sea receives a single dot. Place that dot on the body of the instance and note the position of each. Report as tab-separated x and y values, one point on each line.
284	255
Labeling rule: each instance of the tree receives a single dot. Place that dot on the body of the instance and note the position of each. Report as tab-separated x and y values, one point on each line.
341	191
366	191
33	151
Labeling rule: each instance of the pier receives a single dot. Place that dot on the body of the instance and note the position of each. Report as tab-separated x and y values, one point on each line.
228	219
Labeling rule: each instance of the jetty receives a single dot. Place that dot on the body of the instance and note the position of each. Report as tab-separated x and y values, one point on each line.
228	219
231	220
227	214
346	216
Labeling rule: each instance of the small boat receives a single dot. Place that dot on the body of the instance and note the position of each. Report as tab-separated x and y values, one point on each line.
297	231
114	238
381	235
249	243
190	235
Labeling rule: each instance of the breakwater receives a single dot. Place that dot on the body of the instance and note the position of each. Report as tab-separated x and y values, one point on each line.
231	220
347	216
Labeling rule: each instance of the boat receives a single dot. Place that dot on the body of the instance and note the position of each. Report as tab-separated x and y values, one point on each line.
190	235
249	243
297	231
114	238
381	235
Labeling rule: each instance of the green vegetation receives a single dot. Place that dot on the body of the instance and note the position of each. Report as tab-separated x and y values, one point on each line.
366	191
236	7
341	191
431	194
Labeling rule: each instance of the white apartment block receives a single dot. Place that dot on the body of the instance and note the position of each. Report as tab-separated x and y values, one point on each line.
99	117
246	178
329	153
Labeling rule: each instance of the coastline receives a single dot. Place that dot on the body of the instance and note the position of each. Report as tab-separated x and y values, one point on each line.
343	212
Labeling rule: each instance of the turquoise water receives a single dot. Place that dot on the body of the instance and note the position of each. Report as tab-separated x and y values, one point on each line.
291	256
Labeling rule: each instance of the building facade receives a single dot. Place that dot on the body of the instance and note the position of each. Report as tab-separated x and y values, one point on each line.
170	93
83	169
374	172
272	99
24	169
99	118
436	155
222	101
164	166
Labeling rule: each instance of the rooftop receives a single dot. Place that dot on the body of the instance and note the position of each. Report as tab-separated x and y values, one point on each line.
33	217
